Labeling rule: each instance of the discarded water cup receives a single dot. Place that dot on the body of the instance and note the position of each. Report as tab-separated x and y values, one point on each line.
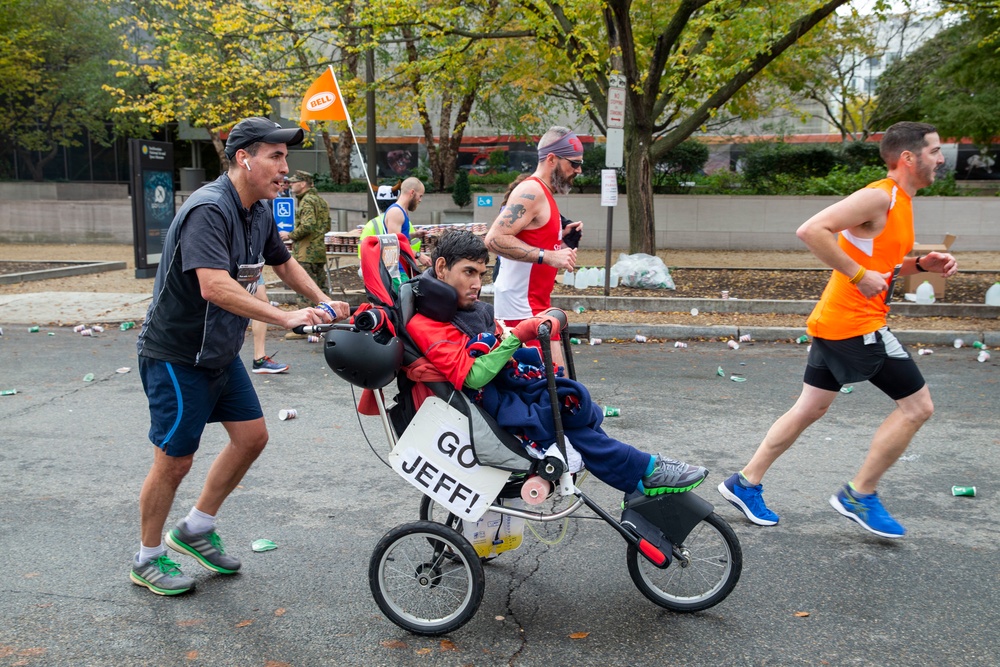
984	356
578	308
312	339
745	338
125	326
922	351
89	377
737	378
725	294
97	328
263	545
979	345
79	327
288	413
275	304
969	491
733	345
959	343
34	329
680	344
694	312
639	338
596	341
87	332
610	411
8	392
574	341
802	339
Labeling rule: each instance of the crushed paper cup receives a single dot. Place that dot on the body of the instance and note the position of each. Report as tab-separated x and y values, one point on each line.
263	545
123	370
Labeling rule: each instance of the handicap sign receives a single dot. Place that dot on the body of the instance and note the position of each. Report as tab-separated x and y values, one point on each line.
284	213
484	200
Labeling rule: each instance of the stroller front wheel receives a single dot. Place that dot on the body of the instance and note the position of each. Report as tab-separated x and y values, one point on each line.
707	572
426	578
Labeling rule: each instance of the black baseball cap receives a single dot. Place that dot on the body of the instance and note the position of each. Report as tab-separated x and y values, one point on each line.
251	130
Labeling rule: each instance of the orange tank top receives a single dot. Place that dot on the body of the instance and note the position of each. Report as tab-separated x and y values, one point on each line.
842	311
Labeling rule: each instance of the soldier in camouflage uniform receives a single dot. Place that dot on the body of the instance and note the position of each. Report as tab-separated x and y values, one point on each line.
312	222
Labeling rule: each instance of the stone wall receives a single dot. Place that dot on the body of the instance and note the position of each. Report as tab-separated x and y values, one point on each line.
682	221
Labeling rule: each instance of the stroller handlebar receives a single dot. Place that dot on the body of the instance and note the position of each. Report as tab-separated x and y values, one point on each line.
323	328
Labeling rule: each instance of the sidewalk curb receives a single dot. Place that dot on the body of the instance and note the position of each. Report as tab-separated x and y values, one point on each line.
749	306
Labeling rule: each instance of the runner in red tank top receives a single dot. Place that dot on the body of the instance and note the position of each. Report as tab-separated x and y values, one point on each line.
527	233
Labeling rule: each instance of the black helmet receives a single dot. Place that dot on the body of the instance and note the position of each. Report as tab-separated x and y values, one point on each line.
356	356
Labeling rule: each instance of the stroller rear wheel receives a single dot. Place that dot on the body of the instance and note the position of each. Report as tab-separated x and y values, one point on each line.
704	571
426	578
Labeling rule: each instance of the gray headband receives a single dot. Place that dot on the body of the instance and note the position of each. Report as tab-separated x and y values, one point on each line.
566	146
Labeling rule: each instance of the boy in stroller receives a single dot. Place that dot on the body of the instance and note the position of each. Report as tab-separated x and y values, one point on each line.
459	336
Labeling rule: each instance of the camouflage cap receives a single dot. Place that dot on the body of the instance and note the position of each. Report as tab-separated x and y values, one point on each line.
299	176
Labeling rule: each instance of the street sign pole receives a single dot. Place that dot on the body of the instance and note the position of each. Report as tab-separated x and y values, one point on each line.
614	155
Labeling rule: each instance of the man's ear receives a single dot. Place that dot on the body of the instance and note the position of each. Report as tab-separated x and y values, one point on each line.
440	266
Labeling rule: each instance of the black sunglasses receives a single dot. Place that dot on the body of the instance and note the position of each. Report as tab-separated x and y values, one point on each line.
576	164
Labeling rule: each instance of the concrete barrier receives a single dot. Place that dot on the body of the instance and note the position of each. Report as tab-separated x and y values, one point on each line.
682	221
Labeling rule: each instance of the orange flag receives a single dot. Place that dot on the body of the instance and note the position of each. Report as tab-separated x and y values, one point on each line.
323	101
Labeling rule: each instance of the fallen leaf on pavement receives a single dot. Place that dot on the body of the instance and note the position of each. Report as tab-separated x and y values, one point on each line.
579	635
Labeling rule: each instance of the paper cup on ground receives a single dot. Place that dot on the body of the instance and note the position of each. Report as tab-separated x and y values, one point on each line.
287	413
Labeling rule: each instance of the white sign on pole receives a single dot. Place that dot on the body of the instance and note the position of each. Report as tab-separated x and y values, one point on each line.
614	149
609	187
616	101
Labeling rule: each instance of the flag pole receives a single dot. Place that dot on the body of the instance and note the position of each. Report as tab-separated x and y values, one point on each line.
350	125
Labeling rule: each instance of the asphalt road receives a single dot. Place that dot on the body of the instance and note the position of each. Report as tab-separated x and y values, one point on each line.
73	455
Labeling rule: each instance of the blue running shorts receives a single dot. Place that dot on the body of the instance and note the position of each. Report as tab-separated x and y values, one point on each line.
183	399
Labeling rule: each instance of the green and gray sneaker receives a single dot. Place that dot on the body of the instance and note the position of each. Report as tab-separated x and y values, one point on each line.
671	476
205	547
161	575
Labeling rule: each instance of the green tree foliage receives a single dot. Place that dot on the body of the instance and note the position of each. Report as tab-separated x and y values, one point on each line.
212	62
685	62
765	161
461	194
53	61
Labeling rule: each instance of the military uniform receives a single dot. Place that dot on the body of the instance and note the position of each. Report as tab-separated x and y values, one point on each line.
312	222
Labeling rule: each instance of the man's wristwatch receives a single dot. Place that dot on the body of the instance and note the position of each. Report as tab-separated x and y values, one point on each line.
920	268
541	256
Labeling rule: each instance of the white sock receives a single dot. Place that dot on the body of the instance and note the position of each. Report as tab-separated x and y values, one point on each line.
149	553
198	522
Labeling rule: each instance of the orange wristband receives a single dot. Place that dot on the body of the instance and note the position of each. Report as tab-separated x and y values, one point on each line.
858	276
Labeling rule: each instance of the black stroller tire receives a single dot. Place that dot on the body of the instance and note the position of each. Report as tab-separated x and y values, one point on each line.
426	578
713	566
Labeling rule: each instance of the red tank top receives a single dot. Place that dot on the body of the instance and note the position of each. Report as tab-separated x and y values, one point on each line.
524	289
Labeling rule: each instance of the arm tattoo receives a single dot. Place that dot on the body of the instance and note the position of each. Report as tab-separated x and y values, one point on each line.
512	247
529	196
511	215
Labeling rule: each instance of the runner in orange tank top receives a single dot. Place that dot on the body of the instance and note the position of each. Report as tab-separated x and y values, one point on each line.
862	238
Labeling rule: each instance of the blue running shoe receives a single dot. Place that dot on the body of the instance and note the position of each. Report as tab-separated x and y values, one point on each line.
867	510
748	499
269	366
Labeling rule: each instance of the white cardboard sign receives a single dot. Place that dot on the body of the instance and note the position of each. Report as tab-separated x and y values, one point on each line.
435	455
609	187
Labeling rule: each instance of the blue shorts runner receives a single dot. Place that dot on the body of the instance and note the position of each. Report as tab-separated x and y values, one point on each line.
877	357
183	399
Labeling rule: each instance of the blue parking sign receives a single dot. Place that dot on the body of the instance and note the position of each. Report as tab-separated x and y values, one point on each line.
484	200
284	213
